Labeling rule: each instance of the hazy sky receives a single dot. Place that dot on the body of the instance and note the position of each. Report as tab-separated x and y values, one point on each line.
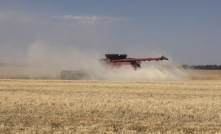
188	31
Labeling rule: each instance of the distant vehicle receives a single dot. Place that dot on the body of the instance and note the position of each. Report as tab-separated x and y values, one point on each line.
112	60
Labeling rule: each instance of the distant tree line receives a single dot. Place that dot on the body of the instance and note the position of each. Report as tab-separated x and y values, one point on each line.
203	67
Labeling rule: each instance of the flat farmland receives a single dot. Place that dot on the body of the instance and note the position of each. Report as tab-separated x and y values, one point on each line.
58	106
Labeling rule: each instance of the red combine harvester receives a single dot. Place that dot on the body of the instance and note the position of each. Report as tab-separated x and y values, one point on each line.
117	60
112	60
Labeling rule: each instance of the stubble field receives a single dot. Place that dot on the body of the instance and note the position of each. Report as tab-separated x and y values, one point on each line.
192	105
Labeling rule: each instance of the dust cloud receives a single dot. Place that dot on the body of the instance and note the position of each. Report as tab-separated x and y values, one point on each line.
42	61
148	72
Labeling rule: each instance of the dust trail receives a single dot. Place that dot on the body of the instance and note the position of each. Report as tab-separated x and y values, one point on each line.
149	71
44	61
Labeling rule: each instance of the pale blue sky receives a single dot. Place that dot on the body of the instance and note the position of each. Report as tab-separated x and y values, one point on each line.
188	31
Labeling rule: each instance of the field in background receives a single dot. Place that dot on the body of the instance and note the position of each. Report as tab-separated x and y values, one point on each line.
56	106
29	72
50	72
204	75
210	72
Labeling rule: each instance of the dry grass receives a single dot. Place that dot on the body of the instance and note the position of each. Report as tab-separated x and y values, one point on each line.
55	106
